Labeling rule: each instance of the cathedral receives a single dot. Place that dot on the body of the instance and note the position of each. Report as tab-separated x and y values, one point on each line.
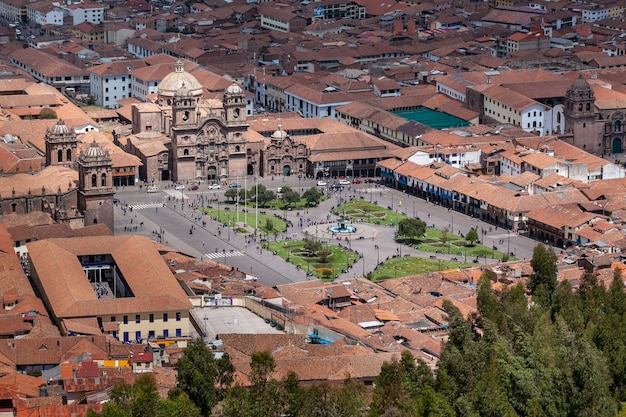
74	188
594	117
208	138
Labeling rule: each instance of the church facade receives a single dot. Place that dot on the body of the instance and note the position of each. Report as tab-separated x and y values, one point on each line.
74	188
594	118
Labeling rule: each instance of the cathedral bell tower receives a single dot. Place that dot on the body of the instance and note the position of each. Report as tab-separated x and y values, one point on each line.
580	115
61	145
95	186
235	105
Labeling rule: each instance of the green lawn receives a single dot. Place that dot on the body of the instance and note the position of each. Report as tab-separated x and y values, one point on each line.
226	214
293	251
454	245
401	267
361	210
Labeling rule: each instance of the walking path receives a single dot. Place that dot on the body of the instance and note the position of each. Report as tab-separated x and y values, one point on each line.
375	243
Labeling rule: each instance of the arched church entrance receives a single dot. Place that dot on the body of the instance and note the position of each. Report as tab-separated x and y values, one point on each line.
286	170
617	145
211	173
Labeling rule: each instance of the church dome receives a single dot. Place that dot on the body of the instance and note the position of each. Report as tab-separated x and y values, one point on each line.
234	89
94	151
178	79
60	128
580	84
279	134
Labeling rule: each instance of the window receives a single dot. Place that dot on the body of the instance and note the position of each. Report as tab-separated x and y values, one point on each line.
103	180
69	155
138	335
113	319
178	316
164	317
137	318
151	318
60	155
179	333
125	319
150	334
126	338
588	106
94	180
115	335
166	333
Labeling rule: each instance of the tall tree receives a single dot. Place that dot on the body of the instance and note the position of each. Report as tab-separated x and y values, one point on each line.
198	375
411	229
542	282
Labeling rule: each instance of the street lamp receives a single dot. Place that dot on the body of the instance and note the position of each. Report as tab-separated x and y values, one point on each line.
377	254
228	223
224	253
299	186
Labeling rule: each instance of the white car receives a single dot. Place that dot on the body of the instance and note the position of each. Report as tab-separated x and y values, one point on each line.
214	187
322	183
179	187
344	182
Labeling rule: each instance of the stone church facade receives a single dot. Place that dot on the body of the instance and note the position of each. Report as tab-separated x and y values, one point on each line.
74	188
597	126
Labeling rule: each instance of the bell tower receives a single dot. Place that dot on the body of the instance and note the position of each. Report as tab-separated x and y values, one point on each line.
235	105
61	145
580	116
95	186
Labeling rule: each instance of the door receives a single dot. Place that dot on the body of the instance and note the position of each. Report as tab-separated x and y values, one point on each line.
286	171
617	145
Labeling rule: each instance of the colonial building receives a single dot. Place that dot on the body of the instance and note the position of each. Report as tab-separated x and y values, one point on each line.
208	138
594	117
72	189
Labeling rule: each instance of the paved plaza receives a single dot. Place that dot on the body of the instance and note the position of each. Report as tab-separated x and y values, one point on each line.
168	216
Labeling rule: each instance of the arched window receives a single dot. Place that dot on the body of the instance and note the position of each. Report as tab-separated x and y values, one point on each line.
94	180
60	155
68	155
237	148
13	207
558	117
618	126
580	106
588	106
186	152
103	180
535	123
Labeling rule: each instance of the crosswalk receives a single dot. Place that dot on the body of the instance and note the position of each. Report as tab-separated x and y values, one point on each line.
140	206
222	255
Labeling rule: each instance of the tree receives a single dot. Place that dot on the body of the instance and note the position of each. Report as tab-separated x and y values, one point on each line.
542	281
411	229
231	194
312	246
471	236
261	366
264	195
312	196
198	374
47	113
289	196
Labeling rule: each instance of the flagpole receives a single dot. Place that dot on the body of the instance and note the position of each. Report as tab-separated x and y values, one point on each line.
245	199
256	204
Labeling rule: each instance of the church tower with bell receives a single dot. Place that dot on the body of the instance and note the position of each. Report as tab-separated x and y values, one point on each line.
95	186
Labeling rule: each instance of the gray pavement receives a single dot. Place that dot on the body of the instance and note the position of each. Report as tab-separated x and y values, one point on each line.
162	217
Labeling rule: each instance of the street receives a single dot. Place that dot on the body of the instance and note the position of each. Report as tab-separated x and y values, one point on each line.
161	217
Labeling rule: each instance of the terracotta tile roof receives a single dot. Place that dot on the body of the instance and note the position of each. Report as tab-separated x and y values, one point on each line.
50	178
45	64
72	296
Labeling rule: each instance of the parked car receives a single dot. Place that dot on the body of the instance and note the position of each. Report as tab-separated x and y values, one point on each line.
356	181
344	182
322	183
234	185
194	187
214	186
179	187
